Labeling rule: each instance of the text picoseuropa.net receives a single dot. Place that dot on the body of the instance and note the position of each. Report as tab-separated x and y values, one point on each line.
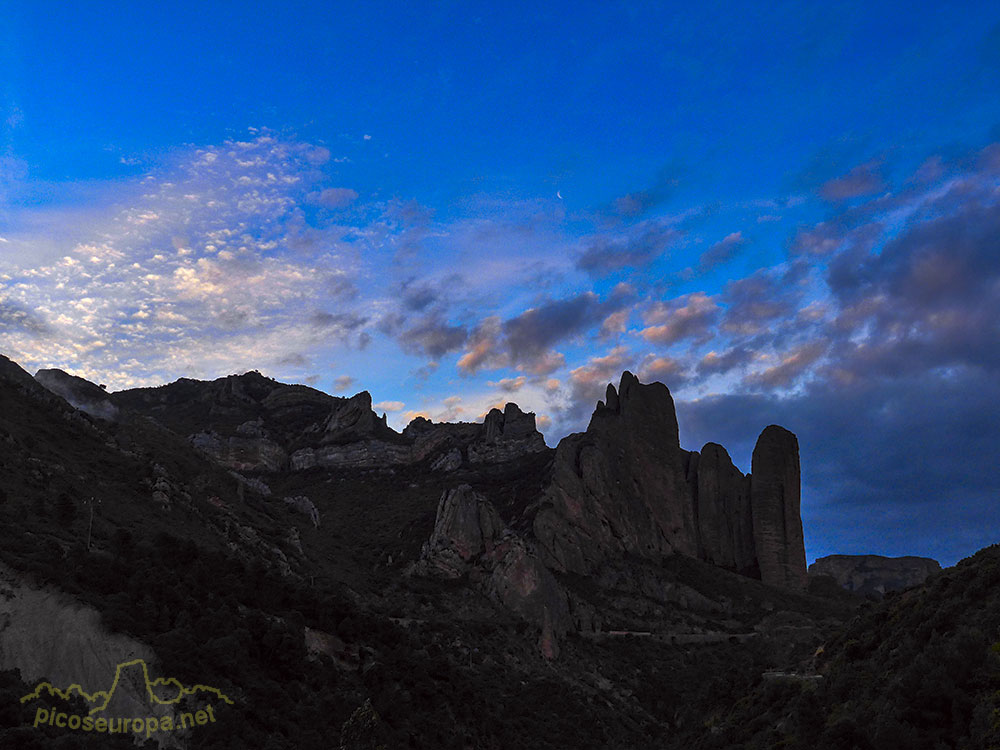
139	725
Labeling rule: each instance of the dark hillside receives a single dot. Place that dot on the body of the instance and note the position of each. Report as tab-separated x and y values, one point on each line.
920	670
189	406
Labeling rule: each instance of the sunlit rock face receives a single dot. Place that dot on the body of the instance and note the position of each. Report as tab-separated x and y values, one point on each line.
873	574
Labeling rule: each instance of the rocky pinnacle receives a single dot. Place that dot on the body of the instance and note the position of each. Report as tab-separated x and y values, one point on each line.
774	501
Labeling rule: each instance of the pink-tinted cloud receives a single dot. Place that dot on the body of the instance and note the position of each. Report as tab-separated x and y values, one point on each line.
509	385
689	317
614	324
667	370
793	365
484	349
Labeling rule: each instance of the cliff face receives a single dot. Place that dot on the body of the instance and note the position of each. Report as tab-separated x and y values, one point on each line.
466	526
620	487
353	419
621	492
725	519
505	435
873	574
470	538
625	486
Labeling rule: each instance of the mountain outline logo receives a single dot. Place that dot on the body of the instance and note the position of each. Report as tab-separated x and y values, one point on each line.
106	695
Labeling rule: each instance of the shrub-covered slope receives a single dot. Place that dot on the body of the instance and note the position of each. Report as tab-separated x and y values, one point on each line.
918	671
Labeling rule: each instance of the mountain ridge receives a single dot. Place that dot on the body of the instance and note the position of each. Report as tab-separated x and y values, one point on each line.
659	502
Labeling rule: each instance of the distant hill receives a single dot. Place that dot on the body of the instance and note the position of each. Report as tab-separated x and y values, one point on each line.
874	575
919	670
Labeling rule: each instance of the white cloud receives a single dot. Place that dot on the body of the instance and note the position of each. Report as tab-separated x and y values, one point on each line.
193	268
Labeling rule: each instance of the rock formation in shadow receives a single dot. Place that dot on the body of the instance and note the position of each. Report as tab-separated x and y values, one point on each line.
626	487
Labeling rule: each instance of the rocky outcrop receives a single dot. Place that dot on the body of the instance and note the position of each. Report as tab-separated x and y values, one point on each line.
774	501
448	461
364	730
620	487
304	506
358	454
522	584
469	537
725	519
466	526
352	420
241	452
247	423
161	492
626	487
428	439
505	435
79	393
253	484
874	575
246	543
296	406
354	438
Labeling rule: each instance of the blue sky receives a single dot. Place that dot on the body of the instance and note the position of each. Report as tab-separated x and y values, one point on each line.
787	214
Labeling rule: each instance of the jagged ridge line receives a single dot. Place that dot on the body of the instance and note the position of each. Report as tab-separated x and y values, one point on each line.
150	684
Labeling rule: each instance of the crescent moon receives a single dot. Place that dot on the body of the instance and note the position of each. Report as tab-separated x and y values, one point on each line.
559	195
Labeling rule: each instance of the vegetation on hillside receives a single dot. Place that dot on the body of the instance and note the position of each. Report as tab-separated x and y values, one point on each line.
918	671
